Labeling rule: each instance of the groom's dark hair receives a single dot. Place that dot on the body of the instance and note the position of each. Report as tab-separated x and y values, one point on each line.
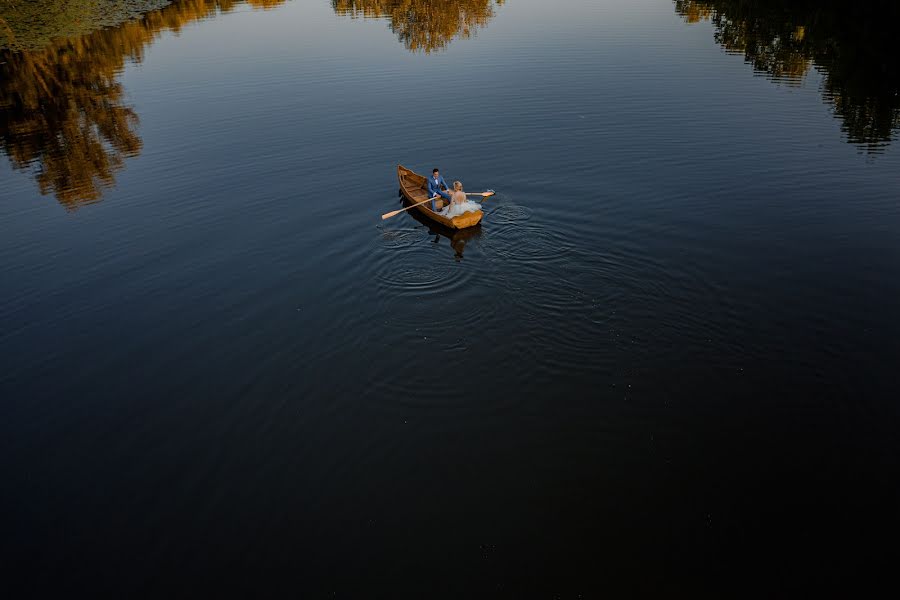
435	170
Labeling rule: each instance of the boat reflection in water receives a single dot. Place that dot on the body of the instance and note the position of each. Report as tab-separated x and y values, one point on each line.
63	115
424	25
458	238
852	44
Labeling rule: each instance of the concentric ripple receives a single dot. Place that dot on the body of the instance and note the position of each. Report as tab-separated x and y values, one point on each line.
419	271
402	238
526	244
507	214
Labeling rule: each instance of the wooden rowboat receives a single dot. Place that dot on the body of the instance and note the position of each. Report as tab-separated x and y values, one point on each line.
414	188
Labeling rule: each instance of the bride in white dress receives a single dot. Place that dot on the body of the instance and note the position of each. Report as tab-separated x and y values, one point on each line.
459	204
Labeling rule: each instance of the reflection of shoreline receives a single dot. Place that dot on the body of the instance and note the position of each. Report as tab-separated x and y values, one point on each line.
62	111
851	44
424	25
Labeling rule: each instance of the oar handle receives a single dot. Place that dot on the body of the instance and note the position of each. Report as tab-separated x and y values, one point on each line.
397	212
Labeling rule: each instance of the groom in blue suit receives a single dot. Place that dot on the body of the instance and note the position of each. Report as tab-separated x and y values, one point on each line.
437	187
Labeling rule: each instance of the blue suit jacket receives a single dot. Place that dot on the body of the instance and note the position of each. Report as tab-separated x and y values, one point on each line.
434	189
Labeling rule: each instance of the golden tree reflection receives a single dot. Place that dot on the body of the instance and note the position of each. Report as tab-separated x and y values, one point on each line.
851	44
265	4
424	25
63	114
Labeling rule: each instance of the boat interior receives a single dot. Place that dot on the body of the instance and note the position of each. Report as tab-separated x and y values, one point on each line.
415	187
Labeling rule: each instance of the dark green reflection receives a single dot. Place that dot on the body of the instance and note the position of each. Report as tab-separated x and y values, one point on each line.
63	115
424	25
851	43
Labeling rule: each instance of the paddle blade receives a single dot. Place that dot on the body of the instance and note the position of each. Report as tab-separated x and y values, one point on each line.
488	193
390	214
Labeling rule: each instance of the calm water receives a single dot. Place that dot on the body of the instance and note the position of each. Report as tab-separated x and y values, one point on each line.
666	360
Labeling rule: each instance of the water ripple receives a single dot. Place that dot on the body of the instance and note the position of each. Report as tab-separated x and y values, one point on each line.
402	238
414	271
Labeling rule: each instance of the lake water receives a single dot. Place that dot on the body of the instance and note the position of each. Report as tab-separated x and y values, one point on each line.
667	359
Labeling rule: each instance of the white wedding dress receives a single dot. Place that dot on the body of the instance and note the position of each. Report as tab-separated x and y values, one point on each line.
459	205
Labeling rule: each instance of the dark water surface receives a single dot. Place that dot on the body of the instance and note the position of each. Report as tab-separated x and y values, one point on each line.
667	359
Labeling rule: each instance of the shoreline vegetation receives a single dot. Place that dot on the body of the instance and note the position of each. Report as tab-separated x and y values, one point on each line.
34	24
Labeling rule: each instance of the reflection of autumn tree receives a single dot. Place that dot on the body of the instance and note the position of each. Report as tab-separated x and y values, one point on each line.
850	43
35	23
425	25
265	4
69	121
62	110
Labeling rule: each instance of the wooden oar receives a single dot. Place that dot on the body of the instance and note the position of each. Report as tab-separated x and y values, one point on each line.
397	212
486	194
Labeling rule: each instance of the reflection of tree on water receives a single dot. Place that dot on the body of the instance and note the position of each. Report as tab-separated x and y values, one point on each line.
69	121
62	111
851	43
425	25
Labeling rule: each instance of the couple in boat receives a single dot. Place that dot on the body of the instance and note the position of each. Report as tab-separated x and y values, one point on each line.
454	202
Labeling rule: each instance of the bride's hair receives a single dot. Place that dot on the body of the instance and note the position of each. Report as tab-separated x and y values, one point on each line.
457	186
